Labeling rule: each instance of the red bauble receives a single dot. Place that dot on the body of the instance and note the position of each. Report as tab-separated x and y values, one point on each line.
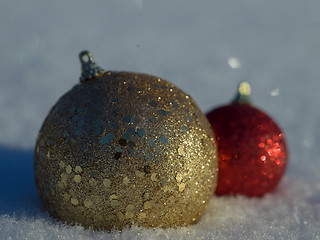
251	148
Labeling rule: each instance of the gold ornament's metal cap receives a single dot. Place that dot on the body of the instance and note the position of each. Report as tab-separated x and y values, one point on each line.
243	94
90	70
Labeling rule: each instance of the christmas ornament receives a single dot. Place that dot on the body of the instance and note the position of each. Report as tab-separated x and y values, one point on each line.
124	148
252	148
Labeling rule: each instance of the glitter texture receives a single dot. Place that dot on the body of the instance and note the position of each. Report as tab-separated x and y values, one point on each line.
123	165
252	150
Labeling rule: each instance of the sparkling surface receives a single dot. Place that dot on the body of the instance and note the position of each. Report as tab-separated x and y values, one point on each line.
126	148
252	150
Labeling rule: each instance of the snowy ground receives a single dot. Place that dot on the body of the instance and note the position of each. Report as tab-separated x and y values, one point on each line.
191	44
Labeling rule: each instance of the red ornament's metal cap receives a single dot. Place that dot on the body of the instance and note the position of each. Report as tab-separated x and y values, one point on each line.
243	93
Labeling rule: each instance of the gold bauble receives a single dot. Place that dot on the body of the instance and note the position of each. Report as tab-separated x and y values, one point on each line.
122	148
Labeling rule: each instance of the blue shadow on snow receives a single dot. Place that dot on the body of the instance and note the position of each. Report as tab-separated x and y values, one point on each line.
18	194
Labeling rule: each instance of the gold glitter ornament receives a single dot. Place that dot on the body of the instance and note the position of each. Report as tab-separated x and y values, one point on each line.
122	148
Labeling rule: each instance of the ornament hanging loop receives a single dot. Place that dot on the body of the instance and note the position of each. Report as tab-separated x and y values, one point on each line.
86	57
90	70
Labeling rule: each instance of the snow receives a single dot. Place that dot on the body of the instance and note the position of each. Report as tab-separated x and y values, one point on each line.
204	47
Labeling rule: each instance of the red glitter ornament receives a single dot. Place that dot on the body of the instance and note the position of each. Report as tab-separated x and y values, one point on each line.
251	148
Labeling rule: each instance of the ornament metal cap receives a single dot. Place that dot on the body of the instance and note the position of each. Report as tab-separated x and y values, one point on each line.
243	94
90	70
